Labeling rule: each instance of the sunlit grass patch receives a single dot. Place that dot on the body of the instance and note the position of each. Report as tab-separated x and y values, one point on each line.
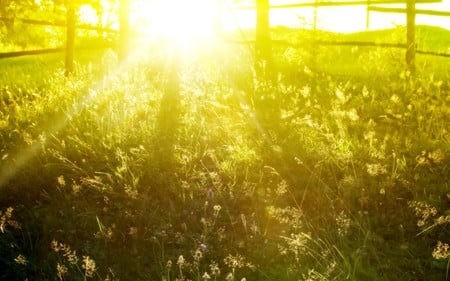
310	176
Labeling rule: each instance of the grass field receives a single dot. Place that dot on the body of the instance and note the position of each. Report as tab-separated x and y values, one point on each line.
189	167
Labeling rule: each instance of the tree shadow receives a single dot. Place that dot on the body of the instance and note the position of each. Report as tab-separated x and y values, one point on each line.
168	118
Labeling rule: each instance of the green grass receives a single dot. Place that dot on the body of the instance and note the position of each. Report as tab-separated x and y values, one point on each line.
334	170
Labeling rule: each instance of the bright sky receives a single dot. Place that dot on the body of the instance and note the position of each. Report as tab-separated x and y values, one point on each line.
344	19
190	19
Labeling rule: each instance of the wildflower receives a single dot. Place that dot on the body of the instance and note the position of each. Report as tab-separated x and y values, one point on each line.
234	261
55	246
20	259
215	270
376	169
290	216
442	220
203	247
422	210
169	264
61	270
229	277
352	114
5	218
441	251
217	208
198	255
89	266
437	156
133	231
61	181
71	256
180	261
76	189
206	276
184	185
343	224
210	192
282	188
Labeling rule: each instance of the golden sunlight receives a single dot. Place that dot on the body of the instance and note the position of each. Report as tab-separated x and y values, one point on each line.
177	20
87	15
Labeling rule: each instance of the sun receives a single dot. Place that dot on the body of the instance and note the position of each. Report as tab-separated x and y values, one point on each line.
178	20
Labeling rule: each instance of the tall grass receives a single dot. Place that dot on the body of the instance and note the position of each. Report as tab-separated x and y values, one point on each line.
313	176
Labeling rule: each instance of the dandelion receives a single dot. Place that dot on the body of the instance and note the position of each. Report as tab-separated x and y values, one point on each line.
441	251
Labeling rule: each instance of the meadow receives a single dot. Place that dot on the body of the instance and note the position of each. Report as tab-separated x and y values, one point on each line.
189	167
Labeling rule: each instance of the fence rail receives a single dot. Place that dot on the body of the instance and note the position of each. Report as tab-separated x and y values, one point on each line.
60	24
69	24
402	11
334	3
48	51
410	10
32	52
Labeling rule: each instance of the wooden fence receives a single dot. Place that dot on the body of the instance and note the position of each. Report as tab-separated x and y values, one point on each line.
410	11
124	17
70	25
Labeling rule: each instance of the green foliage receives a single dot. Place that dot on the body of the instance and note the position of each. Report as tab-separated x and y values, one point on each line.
189	168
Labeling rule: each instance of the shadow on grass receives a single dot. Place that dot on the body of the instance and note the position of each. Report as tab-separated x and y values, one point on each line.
168	117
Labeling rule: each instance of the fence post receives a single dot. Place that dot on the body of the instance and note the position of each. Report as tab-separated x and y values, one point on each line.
124	18
70	36
263	46
410	35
